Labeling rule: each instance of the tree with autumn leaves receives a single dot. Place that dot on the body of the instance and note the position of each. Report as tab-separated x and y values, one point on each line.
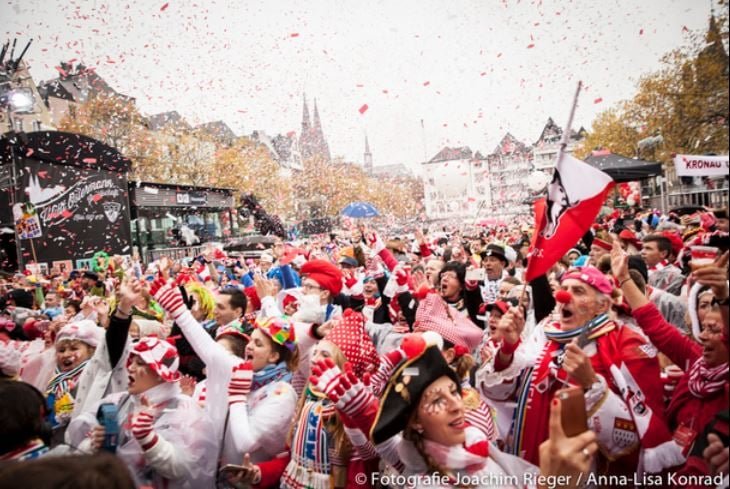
685	102
115	121
180	155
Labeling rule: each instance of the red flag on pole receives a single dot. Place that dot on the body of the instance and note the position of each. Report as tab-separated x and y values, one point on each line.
575	197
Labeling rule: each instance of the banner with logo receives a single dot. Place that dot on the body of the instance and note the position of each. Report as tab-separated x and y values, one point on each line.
27	224
701	166
81	211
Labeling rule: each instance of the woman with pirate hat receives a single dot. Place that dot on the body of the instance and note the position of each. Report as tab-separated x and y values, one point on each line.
419	426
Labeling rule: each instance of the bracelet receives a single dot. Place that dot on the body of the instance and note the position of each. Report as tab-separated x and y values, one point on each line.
123	313
621	283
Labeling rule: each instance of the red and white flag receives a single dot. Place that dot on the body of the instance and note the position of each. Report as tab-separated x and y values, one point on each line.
575	196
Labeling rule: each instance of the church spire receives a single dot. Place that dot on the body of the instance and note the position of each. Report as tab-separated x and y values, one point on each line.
368	157
315	121
305	117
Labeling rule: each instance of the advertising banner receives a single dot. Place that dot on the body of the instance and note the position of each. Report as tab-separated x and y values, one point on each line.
80	211
701	166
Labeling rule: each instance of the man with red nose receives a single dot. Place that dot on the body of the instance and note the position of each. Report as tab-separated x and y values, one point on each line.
615	366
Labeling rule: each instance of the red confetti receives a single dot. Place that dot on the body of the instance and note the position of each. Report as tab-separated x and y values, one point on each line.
96	197
425	84
641	32
89	161
164	7
67	213
684	28
29	152
294	34
364	108
530	46
43	174
598	100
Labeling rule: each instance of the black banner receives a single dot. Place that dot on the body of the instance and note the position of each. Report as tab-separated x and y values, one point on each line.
81	211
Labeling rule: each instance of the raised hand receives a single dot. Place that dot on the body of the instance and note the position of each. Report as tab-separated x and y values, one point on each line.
169	297
142	426
240	385
351	394
578	365
563	456
325	377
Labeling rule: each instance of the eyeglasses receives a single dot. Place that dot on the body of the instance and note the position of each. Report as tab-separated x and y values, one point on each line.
306	286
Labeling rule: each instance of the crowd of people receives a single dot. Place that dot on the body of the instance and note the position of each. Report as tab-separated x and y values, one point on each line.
366	359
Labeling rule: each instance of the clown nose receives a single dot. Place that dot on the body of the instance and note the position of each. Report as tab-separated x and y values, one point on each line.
563	296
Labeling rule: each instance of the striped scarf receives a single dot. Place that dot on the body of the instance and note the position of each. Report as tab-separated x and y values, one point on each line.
270	373
594	328
63	382
34	449
704	380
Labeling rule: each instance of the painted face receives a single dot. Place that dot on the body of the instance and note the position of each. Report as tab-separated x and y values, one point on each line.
651	254
714	349
71	353
141	376
450	285
584	304
440	414
260	350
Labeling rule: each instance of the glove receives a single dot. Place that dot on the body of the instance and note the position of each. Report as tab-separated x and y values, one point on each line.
325	376
240	384
375	243
143	430
169	297
351	395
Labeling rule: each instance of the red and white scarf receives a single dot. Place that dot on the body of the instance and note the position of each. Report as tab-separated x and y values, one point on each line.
659	266
704	380
470	456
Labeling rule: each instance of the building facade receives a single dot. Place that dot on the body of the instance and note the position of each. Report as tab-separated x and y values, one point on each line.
456	184
510	164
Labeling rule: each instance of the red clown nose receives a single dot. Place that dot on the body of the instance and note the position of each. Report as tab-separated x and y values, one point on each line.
563	296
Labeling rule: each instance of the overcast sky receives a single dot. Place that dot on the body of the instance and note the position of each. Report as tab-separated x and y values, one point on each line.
471	70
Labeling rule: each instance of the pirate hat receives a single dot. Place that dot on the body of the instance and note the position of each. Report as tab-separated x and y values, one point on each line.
404	390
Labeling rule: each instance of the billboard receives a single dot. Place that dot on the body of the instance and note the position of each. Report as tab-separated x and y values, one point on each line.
81	210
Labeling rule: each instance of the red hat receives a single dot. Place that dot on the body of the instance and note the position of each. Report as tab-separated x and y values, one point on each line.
629	236
326	274
433	314
350	337
253	297
601	244
159	355
675	239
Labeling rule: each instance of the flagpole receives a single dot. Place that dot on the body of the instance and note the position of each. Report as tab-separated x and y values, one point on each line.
561	153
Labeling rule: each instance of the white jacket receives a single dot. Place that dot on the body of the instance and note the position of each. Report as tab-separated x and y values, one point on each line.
186	453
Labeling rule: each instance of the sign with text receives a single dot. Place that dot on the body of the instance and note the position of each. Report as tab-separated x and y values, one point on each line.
701	166
81	211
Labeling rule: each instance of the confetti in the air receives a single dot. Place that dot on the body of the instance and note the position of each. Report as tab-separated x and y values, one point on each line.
598	100
164	7
364	108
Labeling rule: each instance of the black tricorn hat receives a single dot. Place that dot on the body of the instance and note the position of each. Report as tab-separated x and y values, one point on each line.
404	390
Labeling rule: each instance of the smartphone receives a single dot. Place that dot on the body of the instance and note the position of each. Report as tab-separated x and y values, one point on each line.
573	411
107	416
233	469
475	275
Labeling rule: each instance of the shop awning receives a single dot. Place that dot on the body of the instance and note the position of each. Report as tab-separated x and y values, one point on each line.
622	168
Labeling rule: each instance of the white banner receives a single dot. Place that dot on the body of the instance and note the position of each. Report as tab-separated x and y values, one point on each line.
701	166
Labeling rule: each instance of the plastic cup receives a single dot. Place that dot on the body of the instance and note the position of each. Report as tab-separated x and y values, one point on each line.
703	256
